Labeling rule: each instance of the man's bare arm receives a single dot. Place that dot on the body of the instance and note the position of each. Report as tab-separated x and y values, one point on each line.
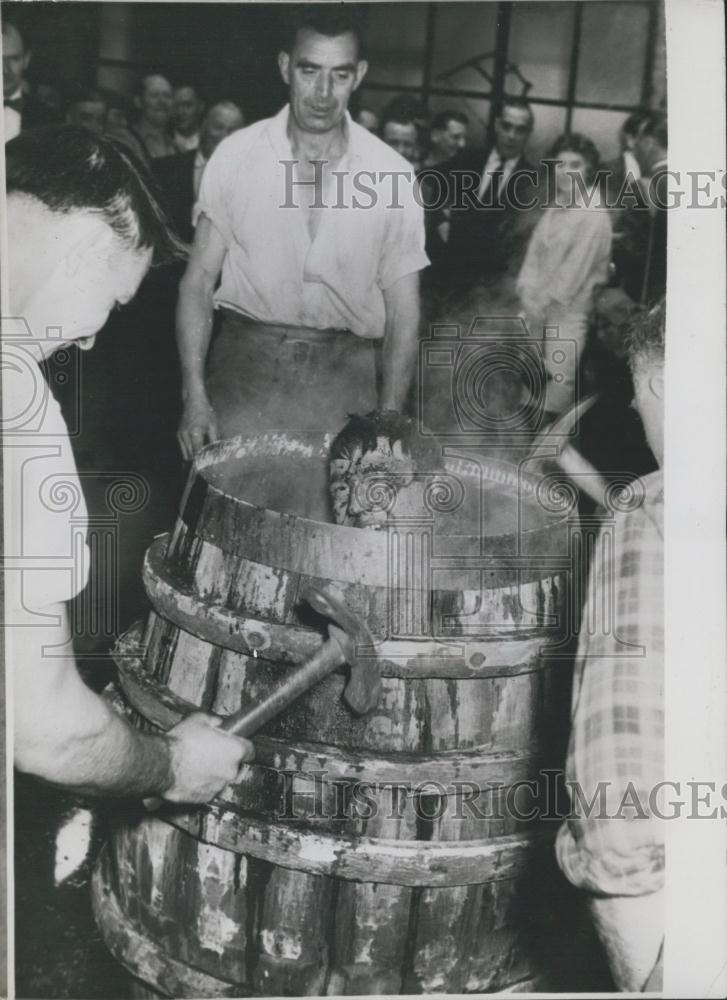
68	735
194	330
401	339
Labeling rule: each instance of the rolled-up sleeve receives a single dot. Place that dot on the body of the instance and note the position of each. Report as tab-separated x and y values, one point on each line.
215	193
612	842
403	248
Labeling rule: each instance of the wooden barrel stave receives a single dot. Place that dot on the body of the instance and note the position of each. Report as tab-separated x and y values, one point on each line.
500	712
508	598
293	935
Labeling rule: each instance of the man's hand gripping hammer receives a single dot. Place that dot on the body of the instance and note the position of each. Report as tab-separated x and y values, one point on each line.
350	641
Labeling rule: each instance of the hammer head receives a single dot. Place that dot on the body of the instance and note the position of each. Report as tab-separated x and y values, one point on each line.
357	645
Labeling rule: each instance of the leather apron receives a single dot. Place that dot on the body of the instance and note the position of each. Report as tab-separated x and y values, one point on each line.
264	377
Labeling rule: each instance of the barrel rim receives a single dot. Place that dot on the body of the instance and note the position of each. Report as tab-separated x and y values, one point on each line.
220	450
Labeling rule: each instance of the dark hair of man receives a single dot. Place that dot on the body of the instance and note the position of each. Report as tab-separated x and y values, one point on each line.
329	19
362	432
441	121
405	108
397	117
633	122
69	169
576	142
654	124
184	84
88	95
10	24
118	101
141	82
520	103
645	339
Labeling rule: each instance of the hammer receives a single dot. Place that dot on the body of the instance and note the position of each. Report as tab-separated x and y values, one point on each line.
349	642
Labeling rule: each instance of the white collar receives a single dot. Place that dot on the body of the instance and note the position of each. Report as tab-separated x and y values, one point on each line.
278	134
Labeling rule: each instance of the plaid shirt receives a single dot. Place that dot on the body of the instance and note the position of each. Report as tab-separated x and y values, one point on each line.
617	735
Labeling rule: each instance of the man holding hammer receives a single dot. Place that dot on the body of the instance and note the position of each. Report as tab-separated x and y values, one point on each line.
312	227
82	230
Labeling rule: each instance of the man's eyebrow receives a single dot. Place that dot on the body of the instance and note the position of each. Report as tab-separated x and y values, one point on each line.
349	67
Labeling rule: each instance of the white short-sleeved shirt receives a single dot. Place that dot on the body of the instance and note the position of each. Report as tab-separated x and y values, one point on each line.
371	235
46	521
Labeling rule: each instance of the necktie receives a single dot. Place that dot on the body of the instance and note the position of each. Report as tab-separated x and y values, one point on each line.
492	181
495	186
15	104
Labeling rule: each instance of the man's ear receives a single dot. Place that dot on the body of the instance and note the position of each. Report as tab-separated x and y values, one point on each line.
656	384
92	239
26	60
361	70
284	66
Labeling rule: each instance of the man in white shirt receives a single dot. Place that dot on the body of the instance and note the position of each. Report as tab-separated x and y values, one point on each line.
82	230
299	218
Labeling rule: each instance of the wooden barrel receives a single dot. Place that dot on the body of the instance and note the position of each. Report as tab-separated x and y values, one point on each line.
390	853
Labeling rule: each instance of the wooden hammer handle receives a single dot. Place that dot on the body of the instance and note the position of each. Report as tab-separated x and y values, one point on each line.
248	720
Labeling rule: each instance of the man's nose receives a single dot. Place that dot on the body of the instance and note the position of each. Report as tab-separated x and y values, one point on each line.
324	85
354	502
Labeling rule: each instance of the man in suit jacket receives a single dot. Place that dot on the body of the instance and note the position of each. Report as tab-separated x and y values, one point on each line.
621	175
488	191
640	253
21	110
179	176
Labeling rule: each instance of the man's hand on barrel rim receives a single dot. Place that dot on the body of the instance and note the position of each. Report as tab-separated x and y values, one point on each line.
198	425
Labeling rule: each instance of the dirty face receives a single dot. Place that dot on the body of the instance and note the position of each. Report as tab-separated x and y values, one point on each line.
366	488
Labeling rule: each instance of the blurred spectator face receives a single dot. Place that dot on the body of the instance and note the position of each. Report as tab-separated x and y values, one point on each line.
368	119
512	131
15	60
116	118
570	165
49	95
187	110
647	151
448	142
402	137
628	140
156	100
219	122
89	114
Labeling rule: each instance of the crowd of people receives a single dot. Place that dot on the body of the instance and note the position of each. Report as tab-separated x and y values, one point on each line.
289	316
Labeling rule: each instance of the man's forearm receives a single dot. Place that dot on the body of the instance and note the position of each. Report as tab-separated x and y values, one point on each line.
103	755
194	330
146	770
401	343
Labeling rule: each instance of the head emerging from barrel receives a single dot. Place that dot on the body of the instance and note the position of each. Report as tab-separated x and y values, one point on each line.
379	467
